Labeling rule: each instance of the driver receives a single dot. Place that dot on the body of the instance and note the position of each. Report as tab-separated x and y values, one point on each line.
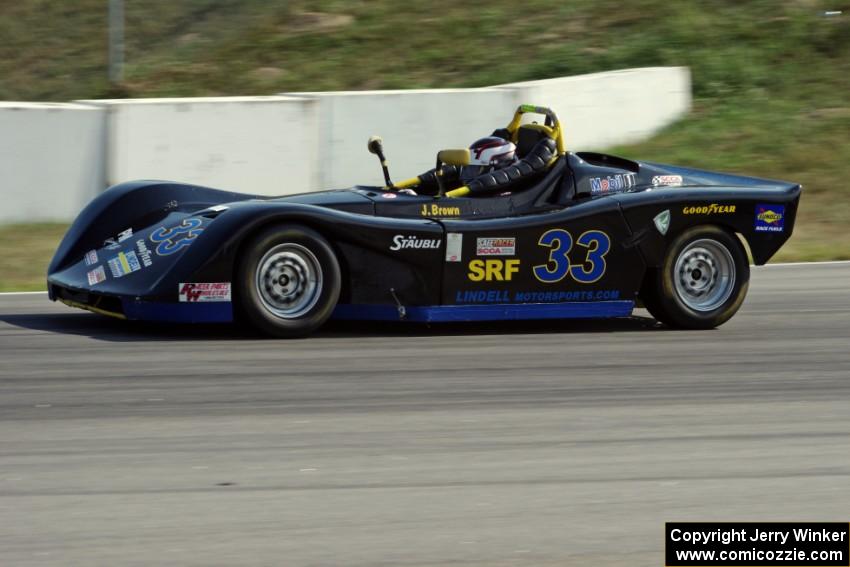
485	155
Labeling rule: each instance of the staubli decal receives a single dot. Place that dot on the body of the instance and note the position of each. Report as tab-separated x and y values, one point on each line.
402	242
712	209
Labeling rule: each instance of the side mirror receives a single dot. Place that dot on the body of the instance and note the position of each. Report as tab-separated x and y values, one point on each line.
376	145
454	157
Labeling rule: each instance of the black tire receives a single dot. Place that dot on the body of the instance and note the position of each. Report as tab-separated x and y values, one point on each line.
287	281
709	285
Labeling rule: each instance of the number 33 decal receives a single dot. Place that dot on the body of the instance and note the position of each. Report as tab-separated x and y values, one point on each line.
170	240
560	242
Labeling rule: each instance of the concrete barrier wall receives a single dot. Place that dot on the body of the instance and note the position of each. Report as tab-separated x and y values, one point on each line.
263	145
415	125
57	157
597	111
616	107
51	159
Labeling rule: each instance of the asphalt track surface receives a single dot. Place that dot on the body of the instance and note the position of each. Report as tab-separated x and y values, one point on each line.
539	444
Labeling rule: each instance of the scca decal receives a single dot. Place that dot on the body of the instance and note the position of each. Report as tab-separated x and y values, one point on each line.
170	240
492	270
560	243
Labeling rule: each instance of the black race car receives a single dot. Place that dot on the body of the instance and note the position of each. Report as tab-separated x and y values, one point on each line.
556	235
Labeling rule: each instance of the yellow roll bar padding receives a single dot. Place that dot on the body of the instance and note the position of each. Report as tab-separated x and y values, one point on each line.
554	130
459	192
413	181
454	157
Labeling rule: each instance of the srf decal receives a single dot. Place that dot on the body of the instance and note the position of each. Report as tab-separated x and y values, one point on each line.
492	270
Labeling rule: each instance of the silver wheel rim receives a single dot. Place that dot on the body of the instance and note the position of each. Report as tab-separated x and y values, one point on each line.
289	280
704	275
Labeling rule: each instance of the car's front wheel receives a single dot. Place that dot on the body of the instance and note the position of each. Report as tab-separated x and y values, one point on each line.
287	281
703	281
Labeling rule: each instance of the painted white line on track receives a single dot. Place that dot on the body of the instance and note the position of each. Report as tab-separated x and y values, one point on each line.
23	293
785	264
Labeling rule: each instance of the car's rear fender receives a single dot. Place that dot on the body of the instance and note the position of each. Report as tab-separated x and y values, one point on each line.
734	208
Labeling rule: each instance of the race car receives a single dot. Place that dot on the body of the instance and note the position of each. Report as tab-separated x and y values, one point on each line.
553	234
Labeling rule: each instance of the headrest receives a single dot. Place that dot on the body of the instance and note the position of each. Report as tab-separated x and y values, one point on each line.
528	135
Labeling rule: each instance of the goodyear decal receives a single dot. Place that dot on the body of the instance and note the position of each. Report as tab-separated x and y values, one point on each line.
712	209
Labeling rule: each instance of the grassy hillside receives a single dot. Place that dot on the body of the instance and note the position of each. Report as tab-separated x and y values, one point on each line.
771	77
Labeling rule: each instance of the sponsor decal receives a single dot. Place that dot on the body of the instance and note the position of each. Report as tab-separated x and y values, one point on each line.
662	221
670	180
616	182
454	246
170	240
505	296
492	270
712	209
401	242
91	257
122	236
144	253
495	246
123	264
204	292
388	195
435	210
770	218
110	244
96	276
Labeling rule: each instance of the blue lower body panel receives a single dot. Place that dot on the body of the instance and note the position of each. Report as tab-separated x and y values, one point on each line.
222	312
494	312
188	312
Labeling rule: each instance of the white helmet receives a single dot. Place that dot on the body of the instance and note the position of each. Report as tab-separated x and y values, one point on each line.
492	151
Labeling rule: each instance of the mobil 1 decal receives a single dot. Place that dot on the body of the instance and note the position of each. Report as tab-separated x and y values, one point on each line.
546	265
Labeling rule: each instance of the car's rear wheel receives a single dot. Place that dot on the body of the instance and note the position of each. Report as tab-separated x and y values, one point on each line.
287	281
703	281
